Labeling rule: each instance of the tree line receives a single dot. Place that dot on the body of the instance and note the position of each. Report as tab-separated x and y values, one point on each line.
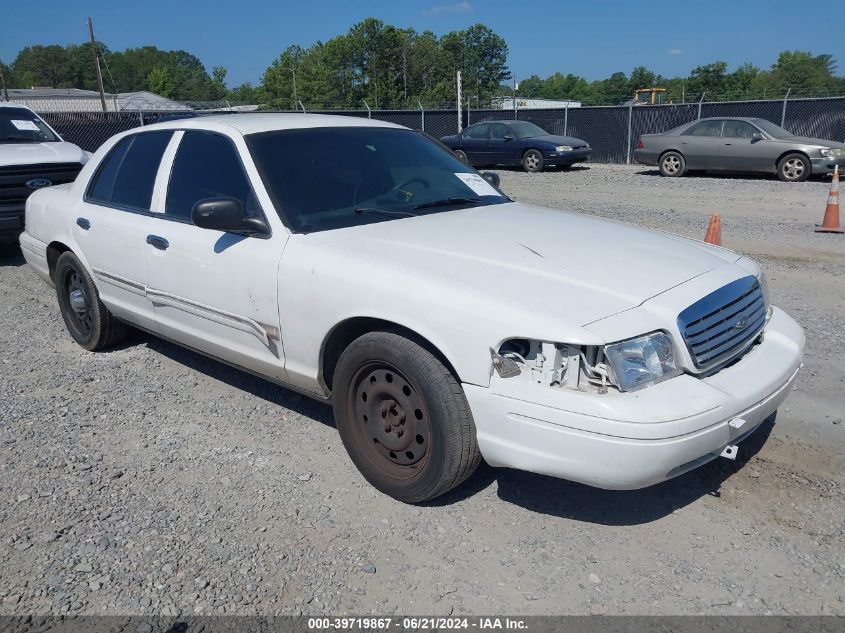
800	73
390	67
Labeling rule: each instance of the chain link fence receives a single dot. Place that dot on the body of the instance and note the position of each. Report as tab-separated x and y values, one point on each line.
612	131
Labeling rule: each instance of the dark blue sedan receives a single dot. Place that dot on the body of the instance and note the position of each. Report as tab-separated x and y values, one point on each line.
516	143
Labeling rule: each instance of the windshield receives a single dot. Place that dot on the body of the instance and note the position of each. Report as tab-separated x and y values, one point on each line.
524	129
330	178
771	129
19	125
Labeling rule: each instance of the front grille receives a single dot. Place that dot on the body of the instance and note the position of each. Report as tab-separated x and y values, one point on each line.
723	324
13	179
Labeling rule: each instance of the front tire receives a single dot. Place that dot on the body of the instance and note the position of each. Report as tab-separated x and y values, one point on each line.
461	156
86	318
672	165
532	161
403	418
794	168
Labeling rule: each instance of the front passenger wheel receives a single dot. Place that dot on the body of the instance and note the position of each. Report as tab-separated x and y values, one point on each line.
672	165
86	318
403	418
794	168
532	161
461	156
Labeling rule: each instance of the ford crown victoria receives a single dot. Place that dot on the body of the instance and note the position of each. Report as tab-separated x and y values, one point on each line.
362	264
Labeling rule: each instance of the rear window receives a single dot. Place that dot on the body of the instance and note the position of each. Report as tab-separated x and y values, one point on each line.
126	176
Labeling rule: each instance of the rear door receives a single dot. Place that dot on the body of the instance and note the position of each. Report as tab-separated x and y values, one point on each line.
476	143
739	151
700	144
214	291
112	221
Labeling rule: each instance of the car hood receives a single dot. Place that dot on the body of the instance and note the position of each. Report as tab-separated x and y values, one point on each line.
558	140
808	140
577	267
37	153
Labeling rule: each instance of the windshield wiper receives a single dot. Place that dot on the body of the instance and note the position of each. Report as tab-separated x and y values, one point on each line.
386	213
447	202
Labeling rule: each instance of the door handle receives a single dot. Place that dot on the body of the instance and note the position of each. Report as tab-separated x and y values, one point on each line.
83	223
158	242
728	143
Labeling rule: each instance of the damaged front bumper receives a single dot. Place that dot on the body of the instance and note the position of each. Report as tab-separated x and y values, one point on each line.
633	440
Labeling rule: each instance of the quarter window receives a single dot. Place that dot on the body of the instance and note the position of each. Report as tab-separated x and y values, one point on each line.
126	176
207	166
705	128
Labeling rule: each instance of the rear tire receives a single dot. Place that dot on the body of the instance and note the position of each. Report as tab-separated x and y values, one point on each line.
672	165
794	168
86	318
403	418
532	161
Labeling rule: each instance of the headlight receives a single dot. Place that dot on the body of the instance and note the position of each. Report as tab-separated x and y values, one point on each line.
828	152
642	361
563	148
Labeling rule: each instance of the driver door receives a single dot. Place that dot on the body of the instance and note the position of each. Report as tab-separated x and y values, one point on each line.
213	291
476	143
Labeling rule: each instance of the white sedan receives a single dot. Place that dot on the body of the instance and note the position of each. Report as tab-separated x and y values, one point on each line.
362	264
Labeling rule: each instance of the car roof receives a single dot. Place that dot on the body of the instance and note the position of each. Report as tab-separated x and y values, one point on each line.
728	118
270	121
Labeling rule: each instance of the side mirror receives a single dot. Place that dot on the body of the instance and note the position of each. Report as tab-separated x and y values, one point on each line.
757	136
492	178
508	137
226	214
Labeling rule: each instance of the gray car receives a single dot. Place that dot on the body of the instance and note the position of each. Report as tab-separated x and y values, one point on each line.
739	145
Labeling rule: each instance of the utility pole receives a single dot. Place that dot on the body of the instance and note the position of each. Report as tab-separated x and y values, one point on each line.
3	84
97	64
514	96
460	125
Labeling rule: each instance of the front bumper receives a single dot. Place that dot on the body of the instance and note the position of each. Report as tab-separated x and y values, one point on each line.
632	440
827	165
567	158
11	222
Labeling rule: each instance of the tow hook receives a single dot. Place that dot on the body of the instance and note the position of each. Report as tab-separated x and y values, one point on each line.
730	451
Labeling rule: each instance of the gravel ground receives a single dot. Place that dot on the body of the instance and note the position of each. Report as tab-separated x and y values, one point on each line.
151	480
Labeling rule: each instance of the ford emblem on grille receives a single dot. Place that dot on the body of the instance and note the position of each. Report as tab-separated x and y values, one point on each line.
38	183
741	324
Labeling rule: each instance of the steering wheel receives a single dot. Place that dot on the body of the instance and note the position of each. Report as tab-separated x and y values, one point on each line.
410	181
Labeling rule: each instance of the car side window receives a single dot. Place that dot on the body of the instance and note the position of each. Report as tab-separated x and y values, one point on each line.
705	128
477	131
127	175
499	132
207	165
738	129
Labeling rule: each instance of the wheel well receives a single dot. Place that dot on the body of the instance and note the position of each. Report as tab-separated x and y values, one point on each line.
54	251
529	149
347	331
666	151
787	153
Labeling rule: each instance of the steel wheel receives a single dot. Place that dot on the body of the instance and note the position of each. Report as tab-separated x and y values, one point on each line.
79	302
391	422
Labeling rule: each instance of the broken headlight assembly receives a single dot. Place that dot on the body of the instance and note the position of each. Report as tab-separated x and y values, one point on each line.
642	361
627	365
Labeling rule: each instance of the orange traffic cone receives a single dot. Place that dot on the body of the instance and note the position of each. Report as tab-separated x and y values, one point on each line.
714	230
830	224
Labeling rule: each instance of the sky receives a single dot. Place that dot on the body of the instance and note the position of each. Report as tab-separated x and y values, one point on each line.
588	38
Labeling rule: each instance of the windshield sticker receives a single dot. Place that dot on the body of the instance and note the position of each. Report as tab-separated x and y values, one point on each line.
25	126
478	185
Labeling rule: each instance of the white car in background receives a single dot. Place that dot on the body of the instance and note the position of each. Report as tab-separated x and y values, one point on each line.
32	156
362	264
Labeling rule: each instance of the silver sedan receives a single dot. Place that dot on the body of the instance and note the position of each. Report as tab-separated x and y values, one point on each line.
739	145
